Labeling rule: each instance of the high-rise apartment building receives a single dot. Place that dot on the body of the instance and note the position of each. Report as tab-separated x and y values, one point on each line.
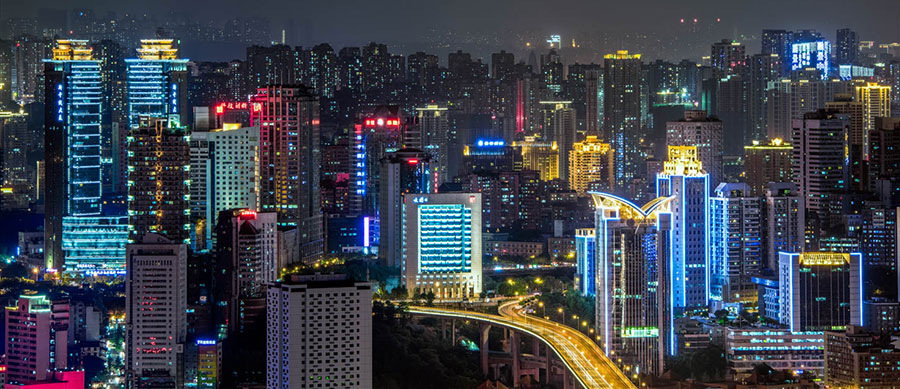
767	163
403	172
442	245
728	57
821	164
683	178
159	179
559	126
735	243
157	82
72	141
540	156
332	348
36	338
290	160
785	220
847	47
591	166
633	283
224	175
434	129
820	291
858	359
876	102
704	132
156	305
622	110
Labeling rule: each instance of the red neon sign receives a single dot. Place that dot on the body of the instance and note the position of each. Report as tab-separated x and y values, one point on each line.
241	105
248	214
412	161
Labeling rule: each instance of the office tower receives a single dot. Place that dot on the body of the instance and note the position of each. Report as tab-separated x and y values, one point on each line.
634	284
374	135
558	125
622	110
683	178
434	129
209	363
847	47
821	165
247	250
856	358
819	291
728	57
785	221
289	162
157	82
790	99
735	243
490	155
876	102
95	245
540	156
503	66
877	234
155	304
728	100
586	261
442	245
159	179
343	312
403	172
71	141
764	69
224	175
765	163
591	166
703	132
812	54
36	338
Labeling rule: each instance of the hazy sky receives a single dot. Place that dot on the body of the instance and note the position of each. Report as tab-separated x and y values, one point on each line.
357	20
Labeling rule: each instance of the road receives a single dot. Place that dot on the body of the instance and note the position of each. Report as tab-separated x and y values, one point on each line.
583	357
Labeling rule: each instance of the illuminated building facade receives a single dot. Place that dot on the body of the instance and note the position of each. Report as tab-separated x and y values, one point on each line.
490	155
820	291
442	245
291	332
728	57
858	359
684	179
540	156
95	245
585	256
159	179
876	102
289	160
622	110
821	165
225	175
157	82
735	243
374	136
591	166
797	351
785	221
72	141
434	129
156	305
247	249
814	54
768	163
633	295
36	338
558	125
704	132
403	172
209	363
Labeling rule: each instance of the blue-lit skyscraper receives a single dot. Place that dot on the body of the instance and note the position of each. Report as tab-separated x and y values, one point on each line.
683	178
72	141
735	244
157	81
403	172
820	291
585	256
812	54
633	295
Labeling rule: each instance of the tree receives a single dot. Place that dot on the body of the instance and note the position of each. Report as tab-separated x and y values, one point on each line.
14	270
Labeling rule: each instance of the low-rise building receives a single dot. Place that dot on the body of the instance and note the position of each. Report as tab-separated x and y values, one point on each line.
859	359
781	349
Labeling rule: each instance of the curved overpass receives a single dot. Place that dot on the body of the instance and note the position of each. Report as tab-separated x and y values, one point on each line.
582	357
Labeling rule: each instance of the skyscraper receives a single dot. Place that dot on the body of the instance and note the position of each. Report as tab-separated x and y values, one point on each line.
558	126
812	53
288	117
767	163
224	175
540	156
633	280
785	221
403	172
847	47
622	110
779	42
157	82
728	57
876	101
343	311
591	166
442	245
697	129
586	260
434	130
72	141
683	178
159	179
156	302
735	243
36	338
820	291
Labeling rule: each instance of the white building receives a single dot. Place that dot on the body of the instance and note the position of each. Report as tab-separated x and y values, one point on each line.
442	244
224	175
156	302
319	333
